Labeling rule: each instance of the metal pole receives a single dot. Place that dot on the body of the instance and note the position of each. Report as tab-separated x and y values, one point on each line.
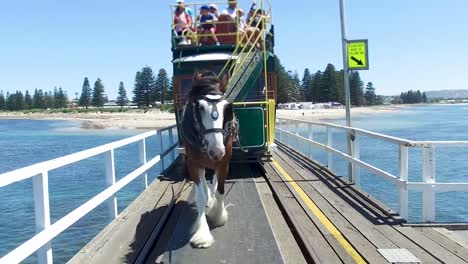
346	85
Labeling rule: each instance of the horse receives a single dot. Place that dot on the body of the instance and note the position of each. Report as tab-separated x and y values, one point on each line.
209	128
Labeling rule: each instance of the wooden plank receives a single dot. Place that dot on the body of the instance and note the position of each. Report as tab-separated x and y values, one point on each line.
432	247
358	238
378	230
453	236
287	244
445	242
317	246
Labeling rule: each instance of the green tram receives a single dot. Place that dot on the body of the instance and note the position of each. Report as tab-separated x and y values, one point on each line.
247	58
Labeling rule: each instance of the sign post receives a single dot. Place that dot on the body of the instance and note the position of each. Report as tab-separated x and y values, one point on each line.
355	57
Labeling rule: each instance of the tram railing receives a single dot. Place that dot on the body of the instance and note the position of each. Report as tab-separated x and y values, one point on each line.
45	230
289	128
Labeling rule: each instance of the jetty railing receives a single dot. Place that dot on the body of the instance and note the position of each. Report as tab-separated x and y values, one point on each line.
45	230
289	128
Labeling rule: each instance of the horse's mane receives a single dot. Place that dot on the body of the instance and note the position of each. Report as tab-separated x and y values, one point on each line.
205	82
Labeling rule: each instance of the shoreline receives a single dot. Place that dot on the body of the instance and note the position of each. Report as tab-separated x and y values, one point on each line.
125	120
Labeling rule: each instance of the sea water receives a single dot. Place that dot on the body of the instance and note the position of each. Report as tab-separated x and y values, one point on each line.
25	142
428	122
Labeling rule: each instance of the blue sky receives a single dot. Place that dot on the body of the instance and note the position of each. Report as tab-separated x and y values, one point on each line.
413	44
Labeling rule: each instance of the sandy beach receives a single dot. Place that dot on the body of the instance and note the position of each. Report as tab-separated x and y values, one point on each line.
330	114
157	119
126	120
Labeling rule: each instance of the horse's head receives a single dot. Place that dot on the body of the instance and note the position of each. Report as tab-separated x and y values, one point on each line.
212	112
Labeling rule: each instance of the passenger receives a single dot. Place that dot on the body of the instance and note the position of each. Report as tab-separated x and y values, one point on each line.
255	26
206	24
251	11
182	20
187	9
214	10
242	23
231	10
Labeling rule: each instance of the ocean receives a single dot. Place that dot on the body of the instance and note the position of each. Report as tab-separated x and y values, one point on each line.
25	142
428	122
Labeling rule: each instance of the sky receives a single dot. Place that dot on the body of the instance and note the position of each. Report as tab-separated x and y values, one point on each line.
417	44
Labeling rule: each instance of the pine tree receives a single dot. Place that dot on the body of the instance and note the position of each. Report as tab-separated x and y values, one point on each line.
340	86
282	80
62	99
424	97
161	86
370	97
85	98
122	98
38	99
28	102
295	94
314	87
2	101
328	91
98	94
356	89
19	103
49	100
144	85
306	77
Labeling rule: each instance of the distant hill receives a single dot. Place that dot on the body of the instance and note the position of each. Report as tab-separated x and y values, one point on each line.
447	94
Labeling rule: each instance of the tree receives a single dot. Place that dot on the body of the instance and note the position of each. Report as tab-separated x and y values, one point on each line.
38	99
122	98
98	94
85	98
144	85
49	100
305	83
282	80
424	97
328	91
161	86
370	96
294	87
28	102
356	89
61	100
2	101
314	87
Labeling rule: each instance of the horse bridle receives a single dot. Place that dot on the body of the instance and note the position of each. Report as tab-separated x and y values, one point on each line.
228	126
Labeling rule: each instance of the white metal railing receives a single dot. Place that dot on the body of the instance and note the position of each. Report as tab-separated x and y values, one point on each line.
429	186
45	231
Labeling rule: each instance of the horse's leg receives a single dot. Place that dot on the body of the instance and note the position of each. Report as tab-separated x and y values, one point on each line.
217	213
202	237
207	189
214	186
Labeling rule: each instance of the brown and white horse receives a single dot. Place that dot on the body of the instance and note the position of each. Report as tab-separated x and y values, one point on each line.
209	128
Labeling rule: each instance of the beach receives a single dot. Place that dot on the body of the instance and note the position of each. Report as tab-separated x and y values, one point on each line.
158	119
333	114
97	120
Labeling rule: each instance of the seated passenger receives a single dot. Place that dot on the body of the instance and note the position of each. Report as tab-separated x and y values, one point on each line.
214	10
182	21
242	23
187	9
207	26
231	10
256	25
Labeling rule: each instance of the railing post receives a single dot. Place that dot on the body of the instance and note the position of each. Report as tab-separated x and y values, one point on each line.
356	155
162	148
403	175
171	143
311	137
329	144
142	152
429	177
110	180
42	213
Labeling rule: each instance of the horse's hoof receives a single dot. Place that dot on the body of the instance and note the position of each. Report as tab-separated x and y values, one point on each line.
210	202
202	240
217	216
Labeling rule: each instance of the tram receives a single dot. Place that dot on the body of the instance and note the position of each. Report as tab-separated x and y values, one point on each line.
245	54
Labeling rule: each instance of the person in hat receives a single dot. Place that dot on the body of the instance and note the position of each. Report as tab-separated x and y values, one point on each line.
232	9
187	9
214	10
182	20
242	23
206	24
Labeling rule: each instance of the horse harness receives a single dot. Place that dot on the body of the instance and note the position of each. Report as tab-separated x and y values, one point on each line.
193	129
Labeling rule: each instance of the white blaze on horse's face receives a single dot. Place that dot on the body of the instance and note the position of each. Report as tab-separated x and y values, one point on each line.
214	142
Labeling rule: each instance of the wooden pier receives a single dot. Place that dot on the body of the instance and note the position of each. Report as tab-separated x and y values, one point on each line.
289	210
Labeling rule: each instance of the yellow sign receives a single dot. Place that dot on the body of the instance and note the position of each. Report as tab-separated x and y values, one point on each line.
358	57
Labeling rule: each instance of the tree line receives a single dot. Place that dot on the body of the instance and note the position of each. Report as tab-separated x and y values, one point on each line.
39	100
148	89
411	97
323	87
